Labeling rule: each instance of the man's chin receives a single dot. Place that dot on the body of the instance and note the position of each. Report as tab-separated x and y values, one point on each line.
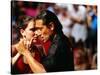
44	41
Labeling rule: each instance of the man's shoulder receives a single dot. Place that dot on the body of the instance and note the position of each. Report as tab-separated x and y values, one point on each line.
61	40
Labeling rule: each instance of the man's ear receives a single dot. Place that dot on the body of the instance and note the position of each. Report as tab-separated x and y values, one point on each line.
51	26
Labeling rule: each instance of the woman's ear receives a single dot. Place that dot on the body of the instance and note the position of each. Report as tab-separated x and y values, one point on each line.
51	26
22	32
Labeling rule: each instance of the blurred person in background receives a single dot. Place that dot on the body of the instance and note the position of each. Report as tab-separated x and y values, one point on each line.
51	7
78	17
42	6
18	9
94	62
81	57
31	8
91	41
66	23
79	30
55	8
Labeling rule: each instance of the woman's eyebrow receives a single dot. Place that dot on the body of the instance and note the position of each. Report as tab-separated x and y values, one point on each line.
33	29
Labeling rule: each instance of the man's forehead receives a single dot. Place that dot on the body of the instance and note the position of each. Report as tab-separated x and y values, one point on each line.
38	23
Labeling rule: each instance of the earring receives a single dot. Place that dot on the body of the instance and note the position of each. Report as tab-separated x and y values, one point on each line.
24	36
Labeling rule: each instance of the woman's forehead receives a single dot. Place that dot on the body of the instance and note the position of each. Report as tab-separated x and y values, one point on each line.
30	24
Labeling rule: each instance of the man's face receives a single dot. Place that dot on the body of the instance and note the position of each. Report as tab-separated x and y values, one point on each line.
43	31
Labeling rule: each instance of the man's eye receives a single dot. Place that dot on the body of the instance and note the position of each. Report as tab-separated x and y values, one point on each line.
41	28
38	28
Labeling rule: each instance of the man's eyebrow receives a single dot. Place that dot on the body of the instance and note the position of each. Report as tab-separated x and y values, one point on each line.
38	27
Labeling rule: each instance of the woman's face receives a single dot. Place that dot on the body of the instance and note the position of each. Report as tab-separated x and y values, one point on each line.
29	31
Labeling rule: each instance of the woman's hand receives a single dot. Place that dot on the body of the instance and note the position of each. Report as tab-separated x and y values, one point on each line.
21	47
24	46
35	66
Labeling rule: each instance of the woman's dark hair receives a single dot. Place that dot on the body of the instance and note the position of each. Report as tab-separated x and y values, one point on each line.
22	23
47	17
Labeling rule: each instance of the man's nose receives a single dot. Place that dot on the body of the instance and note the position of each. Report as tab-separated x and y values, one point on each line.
38	33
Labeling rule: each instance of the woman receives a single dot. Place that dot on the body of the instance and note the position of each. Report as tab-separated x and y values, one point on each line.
23	52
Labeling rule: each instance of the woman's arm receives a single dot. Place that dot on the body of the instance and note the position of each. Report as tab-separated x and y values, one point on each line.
14	55
35	66
15	58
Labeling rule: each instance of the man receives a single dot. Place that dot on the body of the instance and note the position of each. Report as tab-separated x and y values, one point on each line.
60	55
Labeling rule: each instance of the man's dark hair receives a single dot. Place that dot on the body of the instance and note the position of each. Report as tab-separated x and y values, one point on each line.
48	17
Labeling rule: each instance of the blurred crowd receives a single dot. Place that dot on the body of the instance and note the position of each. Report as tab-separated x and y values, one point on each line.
79	25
